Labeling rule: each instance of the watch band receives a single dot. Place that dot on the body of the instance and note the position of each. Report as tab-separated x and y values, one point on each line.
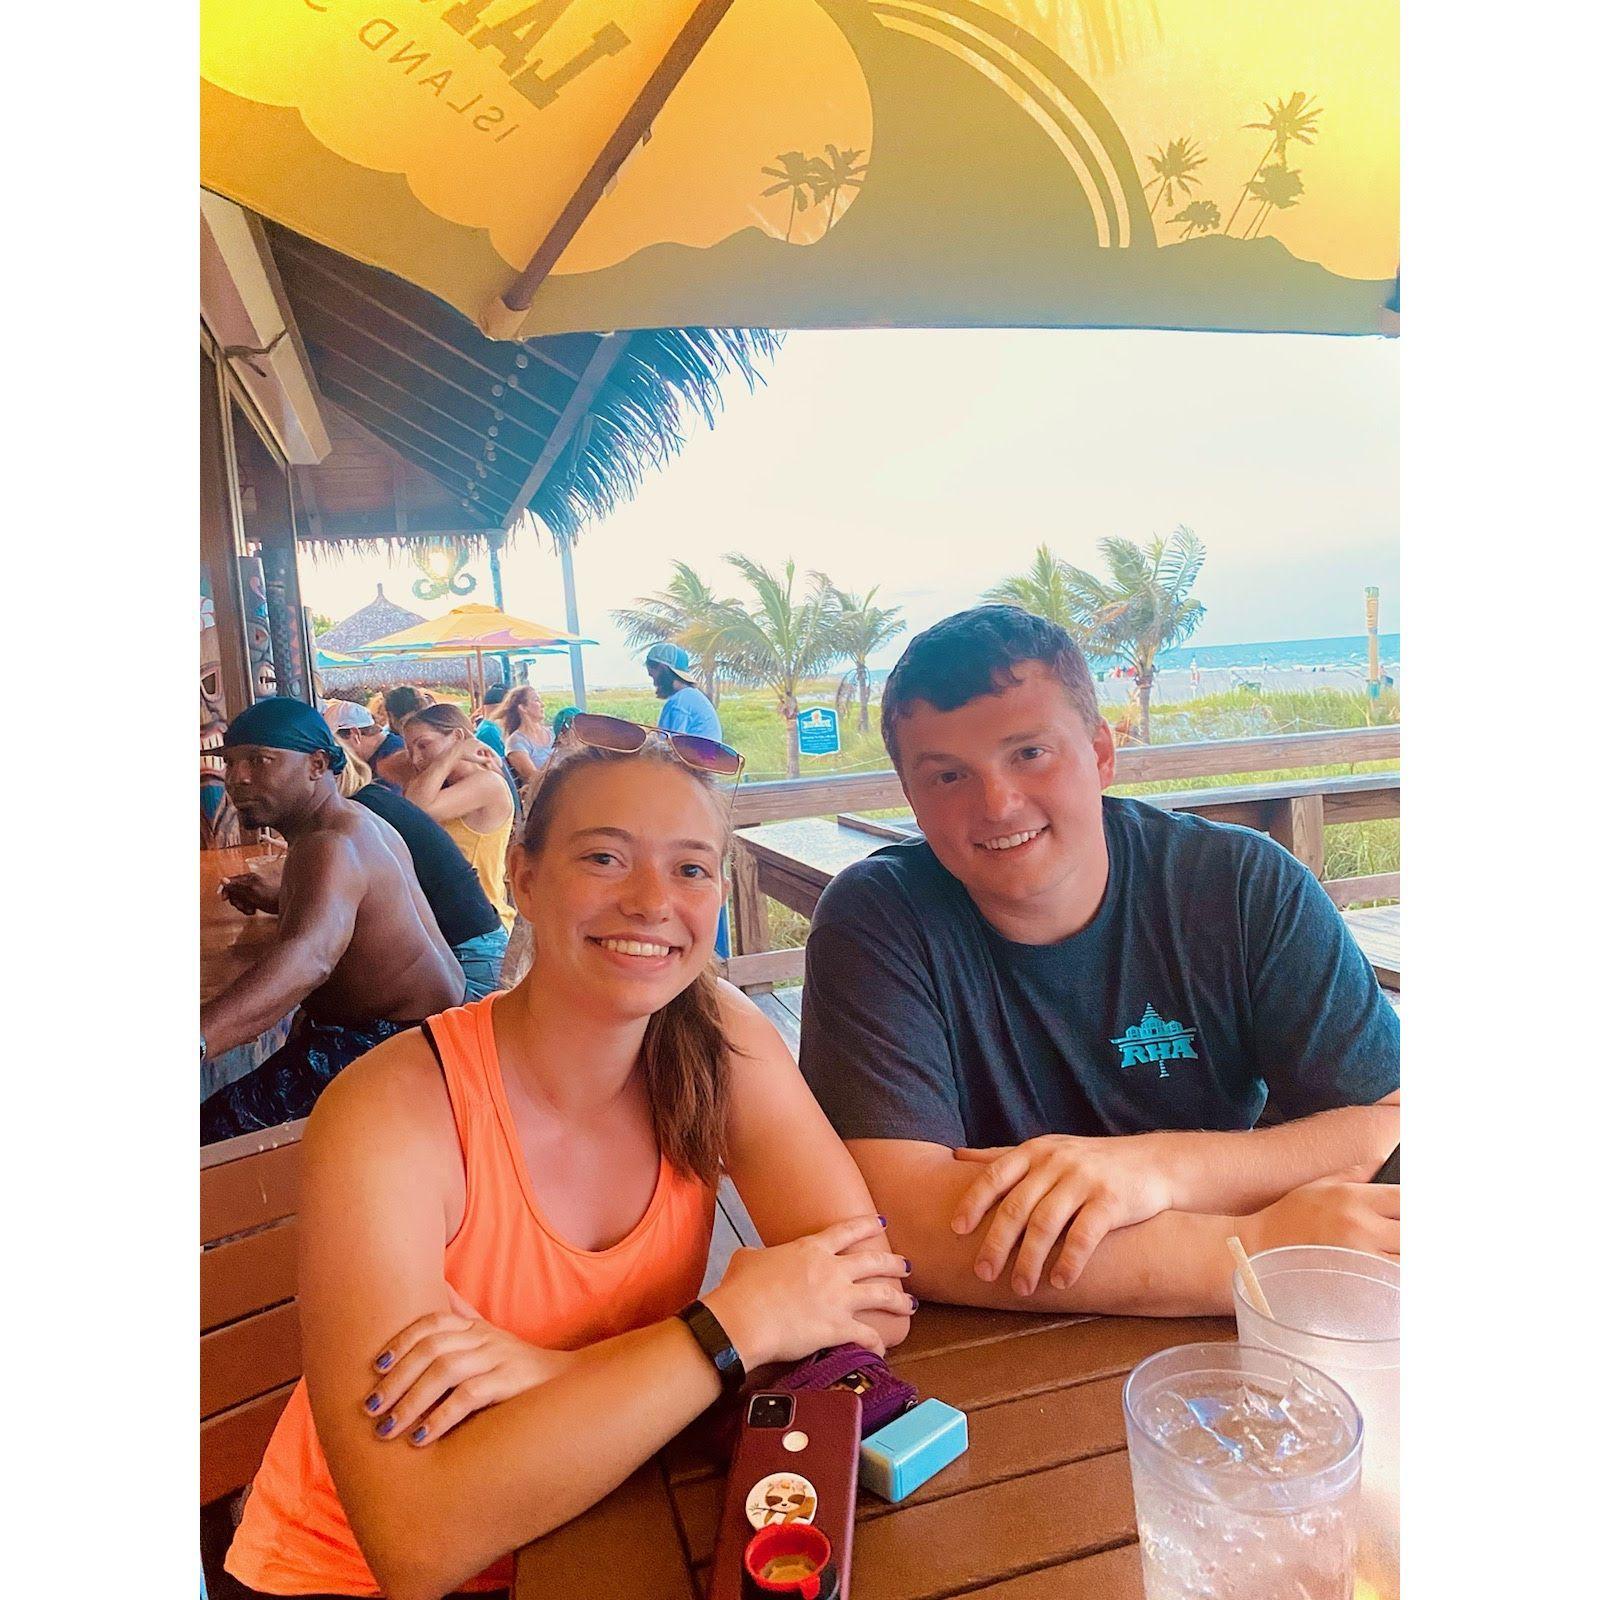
712	1338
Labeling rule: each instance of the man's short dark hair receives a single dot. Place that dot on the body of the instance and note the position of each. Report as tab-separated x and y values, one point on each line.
978	652
401	702
495	693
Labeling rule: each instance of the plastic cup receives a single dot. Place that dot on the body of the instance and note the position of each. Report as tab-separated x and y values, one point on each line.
1339	1311
1246	1472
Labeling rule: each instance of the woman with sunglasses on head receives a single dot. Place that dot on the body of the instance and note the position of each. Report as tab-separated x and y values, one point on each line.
505	1218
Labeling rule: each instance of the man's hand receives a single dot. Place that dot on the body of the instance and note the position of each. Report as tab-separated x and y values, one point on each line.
1355	1216
251	892
1054	1186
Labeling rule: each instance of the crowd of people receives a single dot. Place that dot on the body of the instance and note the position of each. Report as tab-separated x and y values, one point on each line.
1054	1053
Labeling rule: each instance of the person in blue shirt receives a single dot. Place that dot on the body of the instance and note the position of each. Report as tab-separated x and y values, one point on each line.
687	710
488	730
1049	1029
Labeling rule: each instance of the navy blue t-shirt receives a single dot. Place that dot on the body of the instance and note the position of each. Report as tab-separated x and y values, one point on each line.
1215	972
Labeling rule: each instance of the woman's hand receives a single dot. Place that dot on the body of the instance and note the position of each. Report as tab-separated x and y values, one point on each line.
447	1365
787	1302
1058	1188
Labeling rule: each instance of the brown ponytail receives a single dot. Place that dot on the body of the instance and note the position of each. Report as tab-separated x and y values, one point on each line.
685	1052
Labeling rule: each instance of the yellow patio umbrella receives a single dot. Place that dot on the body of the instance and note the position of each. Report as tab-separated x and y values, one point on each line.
598	164
473	631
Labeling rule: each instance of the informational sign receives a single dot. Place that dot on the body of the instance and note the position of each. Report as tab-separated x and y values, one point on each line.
819	731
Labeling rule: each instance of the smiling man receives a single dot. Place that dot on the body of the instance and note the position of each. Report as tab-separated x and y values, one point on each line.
1048	1030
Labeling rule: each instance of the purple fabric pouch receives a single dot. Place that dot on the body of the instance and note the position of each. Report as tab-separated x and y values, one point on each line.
849	1366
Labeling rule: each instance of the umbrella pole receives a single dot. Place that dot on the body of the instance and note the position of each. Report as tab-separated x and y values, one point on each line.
495	541
580	697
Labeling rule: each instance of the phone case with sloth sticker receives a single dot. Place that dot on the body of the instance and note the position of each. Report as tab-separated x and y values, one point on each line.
804	1471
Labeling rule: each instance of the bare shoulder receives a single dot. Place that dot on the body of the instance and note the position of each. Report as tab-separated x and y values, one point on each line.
748	1028
389	1104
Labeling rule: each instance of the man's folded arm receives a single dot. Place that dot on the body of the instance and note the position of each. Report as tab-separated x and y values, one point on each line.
1176	1264
1240	1172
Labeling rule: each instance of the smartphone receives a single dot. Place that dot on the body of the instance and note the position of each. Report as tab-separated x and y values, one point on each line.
795	1461
1389	1172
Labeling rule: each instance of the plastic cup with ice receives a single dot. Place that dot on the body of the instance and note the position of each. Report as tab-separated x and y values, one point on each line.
1246	1471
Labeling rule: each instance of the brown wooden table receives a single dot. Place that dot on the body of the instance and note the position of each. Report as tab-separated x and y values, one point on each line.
230	944
1039	1508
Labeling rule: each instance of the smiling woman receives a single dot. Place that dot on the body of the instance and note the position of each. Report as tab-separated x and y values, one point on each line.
506	1218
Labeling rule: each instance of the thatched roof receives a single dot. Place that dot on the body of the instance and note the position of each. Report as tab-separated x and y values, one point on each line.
377	619
563	428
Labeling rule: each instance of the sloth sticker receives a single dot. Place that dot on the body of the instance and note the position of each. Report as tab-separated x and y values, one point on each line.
781	1498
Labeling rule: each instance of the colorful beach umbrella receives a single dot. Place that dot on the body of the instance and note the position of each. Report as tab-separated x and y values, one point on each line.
601	164
468	629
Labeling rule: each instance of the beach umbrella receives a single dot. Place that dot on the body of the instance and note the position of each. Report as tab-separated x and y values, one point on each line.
472	631
605	164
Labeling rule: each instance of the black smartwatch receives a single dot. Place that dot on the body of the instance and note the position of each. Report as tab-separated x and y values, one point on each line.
710	1335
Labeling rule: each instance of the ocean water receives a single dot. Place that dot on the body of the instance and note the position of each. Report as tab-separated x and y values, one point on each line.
1280	654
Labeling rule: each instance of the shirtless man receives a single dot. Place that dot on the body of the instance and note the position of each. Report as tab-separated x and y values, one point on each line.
358	950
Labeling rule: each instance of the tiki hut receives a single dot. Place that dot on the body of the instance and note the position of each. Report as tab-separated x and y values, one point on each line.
377	619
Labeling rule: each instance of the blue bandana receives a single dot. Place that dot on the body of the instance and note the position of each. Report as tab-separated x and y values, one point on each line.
280	723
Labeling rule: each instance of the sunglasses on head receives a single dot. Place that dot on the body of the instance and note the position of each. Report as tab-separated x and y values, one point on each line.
624	737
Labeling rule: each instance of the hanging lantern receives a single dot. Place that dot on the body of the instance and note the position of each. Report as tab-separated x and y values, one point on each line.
441	566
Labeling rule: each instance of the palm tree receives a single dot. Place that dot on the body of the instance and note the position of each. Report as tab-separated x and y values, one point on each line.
796	174
1199	216
838	171
1277	188
1175	168
1042	589
1144	609
686	612
861	628
1288	121
781	641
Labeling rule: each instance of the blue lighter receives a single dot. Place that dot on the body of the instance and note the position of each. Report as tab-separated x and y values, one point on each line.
903	1454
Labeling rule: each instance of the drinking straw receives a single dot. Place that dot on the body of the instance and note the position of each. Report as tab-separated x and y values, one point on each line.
1247	1276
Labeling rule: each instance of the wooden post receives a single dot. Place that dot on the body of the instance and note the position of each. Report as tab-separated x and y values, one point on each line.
275	530
751	934
1297	824
1374	665
219	538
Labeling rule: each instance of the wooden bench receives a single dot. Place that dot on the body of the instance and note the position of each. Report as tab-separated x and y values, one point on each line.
249	1321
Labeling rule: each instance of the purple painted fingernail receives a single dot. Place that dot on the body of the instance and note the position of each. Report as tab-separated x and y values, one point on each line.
883	1222
907	1260
386	1427
385	1361
419	1433
372	1402
915	1302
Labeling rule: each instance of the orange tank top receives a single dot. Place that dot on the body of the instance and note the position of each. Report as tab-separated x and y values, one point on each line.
509	1262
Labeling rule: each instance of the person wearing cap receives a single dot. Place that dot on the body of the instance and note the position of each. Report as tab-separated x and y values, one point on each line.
356	729
489	730
358	950
686	708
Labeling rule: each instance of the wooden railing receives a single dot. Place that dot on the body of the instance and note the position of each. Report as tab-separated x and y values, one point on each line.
786	798
1296	812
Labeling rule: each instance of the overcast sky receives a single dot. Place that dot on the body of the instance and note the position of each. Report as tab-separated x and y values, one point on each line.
934	462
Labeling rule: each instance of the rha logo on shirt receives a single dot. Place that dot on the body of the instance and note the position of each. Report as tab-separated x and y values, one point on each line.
1151	1039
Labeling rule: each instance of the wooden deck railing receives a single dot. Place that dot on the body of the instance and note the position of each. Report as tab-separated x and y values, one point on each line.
1296	812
